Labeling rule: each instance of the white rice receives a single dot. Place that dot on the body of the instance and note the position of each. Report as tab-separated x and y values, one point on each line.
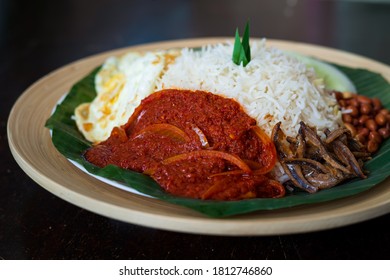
272	87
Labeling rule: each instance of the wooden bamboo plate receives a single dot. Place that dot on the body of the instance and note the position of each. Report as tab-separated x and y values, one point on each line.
31	145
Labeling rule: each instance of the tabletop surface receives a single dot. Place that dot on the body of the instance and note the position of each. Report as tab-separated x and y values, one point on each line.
37	37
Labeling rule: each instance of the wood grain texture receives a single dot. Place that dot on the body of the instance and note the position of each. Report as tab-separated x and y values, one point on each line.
32	148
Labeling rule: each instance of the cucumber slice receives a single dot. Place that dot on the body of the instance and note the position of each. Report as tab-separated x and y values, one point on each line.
334	79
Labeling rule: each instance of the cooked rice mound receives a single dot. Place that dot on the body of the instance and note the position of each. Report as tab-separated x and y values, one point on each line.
273	87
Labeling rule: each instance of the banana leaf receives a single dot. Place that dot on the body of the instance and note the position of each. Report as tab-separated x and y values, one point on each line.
70	142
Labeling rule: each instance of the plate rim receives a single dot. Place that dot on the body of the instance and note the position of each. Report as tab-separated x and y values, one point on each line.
247	224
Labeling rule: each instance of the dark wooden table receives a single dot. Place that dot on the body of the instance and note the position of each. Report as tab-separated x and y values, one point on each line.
37	37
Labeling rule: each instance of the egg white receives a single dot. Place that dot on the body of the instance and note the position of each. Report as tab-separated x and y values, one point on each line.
121	84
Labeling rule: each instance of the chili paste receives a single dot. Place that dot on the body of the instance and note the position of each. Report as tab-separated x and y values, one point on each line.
193	144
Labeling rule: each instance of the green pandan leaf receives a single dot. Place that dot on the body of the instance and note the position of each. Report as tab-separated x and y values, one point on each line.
237	49
241	50
72	145
245	42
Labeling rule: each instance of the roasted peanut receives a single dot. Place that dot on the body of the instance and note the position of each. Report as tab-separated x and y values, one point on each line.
363	99
375	136
347	94
372	146
371	125
384	132
354	102
363	119
354	111
342	103
347	118
380	119
384	111
365	109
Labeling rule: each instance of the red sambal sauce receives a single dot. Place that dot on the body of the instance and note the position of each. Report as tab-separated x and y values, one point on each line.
194	144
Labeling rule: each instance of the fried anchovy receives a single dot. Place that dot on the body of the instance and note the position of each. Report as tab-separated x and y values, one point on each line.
284	152
297	178
313	138
307	162
346	155
331	136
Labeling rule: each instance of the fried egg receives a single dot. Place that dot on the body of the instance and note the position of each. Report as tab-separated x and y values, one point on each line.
121	84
